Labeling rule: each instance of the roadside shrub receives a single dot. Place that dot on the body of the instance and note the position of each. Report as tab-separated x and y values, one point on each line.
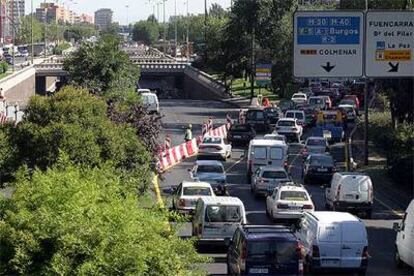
4	66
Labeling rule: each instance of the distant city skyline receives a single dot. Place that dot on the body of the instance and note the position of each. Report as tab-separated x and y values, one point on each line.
137	9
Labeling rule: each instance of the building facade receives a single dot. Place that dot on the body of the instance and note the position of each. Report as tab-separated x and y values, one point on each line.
103	19
10	13
53	13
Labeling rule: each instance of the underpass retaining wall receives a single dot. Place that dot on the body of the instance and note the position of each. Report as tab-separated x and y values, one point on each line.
20	86
199	85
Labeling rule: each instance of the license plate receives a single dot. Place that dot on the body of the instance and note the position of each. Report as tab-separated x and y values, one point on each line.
295	207
330	263
349	196
237	136
322	170
258	270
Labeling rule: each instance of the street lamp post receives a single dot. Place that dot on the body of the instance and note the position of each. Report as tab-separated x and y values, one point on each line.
31	31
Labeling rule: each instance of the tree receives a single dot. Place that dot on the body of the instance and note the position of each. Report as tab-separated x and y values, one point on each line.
7	153
146	31
69	220
76	122
373	4
79	31
24	32
102	66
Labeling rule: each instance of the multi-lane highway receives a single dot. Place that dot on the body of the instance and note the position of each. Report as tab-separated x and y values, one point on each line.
387	204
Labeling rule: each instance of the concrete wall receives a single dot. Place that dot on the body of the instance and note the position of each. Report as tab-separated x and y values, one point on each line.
200	86
20	86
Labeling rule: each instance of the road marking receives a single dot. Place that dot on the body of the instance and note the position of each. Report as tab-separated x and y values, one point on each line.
157	191
399	214
255	212
235	164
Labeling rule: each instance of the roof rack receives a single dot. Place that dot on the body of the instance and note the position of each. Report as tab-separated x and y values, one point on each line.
265	228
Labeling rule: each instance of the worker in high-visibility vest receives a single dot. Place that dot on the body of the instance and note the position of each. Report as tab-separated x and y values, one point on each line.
188	133
320	120
338	118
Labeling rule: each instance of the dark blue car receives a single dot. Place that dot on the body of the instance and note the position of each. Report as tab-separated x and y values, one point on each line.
264	250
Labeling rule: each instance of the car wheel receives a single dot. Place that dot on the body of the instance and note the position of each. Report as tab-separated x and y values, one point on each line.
398	262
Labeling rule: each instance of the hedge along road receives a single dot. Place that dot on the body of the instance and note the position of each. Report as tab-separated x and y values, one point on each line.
380	233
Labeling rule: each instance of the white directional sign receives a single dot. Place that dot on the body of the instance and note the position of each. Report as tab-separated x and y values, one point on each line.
389	44
328	44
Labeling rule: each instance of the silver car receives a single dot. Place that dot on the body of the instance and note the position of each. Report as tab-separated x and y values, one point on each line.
214	146
210	171
315	144
266	178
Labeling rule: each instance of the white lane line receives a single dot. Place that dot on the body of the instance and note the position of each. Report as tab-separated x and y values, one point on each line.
255	212
235	164
395	212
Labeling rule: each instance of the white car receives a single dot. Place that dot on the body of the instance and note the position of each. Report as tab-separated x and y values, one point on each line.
288	202
275	136
315	144
214	146
290	128
299	115
150	101
185	195
267	178
299	98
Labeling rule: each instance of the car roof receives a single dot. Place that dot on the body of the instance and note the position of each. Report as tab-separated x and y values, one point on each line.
195	184
328	216
346	106
287	119
316	138
273	168
147	94
221	200
211	136
292	188
295	110
264	142
209	162
299	93
259	232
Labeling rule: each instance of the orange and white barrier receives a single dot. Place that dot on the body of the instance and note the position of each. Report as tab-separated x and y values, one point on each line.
175	155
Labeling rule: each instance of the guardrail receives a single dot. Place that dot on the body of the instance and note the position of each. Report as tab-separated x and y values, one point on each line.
207	80
160	67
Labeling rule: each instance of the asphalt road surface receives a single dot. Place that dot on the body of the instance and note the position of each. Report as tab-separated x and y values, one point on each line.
387	209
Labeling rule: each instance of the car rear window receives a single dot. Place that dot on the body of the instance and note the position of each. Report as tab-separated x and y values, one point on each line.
293	195
223	213
316	142
321	161
330	233
212	140
295	148
315	101
255	115
260	153
194	191
274	174
290	115
240	128
276	153
286	123
209	169
280	252
299	115
353	232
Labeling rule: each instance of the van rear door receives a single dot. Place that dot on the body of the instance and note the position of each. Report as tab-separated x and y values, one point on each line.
354	239
259	157
221	221
329	238
277	156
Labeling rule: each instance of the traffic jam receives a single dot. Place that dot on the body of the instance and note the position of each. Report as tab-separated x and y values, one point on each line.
287	148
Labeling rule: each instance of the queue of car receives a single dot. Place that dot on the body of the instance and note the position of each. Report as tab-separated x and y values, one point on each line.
303	239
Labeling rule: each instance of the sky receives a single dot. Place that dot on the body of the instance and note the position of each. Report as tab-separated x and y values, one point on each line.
138	9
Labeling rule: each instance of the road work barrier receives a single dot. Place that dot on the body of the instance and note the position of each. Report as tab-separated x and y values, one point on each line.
173	156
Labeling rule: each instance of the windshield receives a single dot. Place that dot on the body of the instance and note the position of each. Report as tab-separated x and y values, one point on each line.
293	195
321	161
212	140
316	142
274	174
209	169
222	213
255	115
194	191
286	123
148	99
278	252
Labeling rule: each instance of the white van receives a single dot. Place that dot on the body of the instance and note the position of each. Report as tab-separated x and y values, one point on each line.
350	191
264	152
404	243
333	241
217	218
143	90
150	101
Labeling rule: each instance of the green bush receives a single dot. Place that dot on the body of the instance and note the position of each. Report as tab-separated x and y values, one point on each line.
58	50
71	220
4	66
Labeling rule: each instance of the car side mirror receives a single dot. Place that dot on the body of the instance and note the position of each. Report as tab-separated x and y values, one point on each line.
396	226
227	241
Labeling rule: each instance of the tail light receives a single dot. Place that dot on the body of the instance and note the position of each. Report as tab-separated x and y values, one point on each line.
365	254
308	206
243	257
338	192
181	202
301	256
315	251
282	206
